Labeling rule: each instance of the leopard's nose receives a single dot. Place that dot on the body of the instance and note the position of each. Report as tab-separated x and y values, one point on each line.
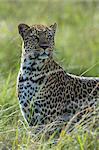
44	46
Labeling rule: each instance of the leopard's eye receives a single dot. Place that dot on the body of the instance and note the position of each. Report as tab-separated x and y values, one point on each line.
50	36
37	38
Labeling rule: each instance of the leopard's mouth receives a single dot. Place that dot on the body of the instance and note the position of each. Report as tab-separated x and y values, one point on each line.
39	54
44	55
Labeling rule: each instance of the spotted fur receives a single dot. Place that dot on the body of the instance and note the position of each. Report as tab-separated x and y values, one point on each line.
46	92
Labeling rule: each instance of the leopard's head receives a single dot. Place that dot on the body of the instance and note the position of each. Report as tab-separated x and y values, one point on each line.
38	40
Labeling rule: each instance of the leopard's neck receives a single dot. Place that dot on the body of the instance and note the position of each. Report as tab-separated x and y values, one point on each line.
37	67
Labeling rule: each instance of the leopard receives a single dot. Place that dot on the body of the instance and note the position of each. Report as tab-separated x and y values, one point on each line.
46	92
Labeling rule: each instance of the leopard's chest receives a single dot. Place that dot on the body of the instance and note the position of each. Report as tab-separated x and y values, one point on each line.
27	89
27	85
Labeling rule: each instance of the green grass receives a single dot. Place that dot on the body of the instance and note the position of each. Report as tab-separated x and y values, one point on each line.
77	50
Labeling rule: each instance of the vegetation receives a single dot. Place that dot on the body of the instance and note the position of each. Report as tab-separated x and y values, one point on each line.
77	50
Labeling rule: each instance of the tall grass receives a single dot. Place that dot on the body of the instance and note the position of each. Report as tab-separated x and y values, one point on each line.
77	50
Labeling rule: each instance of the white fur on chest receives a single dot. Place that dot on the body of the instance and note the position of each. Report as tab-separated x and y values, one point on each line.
27	82
27	89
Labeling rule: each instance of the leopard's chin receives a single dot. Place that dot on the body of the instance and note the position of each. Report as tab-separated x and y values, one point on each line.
44	56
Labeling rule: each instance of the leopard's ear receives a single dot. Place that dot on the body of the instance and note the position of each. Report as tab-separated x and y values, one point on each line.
22	28
53	27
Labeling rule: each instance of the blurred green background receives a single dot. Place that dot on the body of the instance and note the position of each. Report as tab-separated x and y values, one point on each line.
77	50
